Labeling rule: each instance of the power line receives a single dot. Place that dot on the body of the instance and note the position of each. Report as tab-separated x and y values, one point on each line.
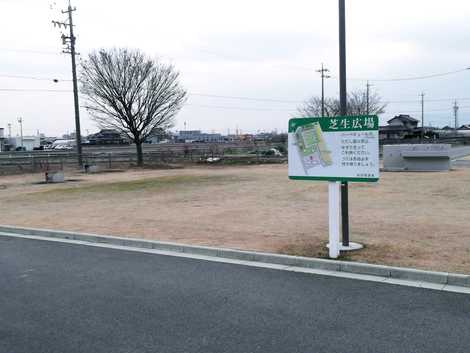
34	78
34	90
245	98
239	108
428	111
411	78
296	67
30	51
305	68
269	100
428	100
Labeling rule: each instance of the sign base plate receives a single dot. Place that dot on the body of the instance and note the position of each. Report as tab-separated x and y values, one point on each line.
352	246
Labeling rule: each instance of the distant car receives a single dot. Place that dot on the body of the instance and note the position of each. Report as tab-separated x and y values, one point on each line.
20	149
272	152
63	147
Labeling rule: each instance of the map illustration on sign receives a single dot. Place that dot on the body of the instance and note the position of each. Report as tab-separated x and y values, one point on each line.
340	148
312	146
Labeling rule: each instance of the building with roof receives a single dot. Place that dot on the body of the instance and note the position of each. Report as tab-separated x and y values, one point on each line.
399	127
198	136
107	137
404	127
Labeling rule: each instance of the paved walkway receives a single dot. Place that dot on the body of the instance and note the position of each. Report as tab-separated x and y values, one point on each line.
58	297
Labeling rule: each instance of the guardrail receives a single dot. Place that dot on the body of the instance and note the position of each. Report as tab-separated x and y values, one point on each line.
36	161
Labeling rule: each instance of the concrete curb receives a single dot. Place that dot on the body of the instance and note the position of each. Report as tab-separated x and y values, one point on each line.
442	278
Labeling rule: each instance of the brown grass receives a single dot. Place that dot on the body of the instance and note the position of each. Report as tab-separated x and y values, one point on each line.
407	219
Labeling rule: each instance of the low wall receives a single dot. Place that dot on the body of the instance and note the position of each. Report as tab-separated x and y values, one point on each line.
424	157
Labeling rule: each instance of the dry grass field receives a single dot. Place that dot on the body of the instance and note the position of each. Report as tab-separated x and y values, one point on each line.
419	220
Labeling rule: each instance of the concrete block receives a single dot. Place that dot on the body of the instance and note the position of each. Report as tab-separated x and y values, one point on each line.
86	237
365	269
455	279
55	177
417	157
236	254
320	264
167	246
135	243
457	289
277	259
91	169
418	275
57	235
200	250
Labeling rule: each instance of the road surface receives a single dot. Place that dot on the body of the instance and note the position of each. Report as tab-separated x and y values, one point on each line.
66	298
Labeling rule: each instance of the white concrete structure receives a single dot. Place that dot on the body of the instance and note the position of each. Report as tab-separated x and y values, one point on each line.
28	142
417	157
55	177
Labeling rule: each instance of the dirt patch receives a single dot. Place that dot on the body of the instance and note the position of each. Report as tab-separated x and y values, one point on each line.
407	219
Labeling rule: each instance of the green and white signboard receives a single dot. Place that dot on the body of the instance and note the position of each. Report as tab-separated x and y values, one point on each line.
334	149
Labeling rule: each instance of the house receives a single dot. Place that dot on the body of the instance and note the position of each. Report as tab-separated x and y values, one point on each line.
404	121
107	137
464	130
403	127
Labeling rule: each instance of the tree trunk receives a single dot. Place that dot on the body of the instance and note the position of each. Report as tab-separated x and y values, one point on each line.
140	155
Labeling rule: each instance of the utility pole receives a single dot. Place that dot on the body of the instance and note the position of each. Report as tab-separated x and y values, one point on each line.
343	112
69	42
422	116
456	119
367	97
20	121
323	71
9	130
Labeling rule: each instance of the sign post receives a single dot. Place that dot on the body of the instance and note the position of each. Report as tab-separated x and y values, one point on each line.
333	218
338	149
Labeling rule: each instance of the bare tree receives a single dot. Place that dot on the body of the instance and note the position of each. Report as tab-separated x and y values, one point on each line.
356	105
313	107
132	93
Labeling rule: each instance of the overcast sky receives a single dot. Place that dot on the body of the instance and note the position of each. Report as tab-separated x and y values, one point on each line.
255	49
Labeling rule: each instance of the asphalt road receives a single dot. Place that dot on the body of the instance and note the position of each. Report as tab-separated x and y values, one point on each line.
64	298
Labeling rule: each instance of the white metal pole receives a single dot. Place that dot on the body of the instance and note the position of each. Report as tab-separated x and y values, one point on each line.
333	217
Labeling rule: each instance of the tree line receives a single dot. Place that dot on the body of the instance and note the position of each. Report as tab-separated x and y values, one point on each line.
139	96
